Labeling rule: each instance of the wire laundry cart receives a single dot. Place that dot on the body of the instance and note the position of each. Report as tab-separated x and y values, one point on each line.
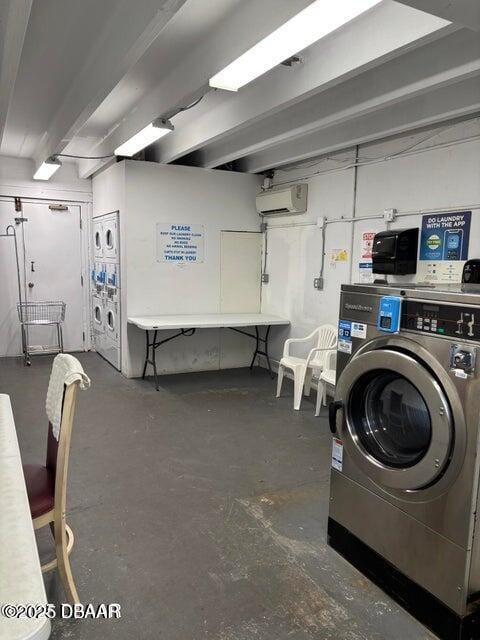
36	314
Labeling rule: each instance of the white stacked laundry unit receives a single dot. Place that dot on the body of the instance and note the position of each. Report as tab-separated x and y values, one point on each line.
105	288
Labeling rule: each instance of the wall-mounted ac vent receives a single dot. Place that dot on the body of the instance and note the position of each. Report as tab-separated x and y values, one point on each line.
287	201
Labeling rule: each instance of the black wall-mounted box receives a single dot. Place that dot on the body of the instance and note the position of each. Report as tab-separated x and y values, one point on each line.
471	271
395	252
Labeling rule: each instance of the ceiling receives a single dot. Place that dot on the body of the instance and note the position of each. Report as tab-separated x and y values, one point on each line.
81	77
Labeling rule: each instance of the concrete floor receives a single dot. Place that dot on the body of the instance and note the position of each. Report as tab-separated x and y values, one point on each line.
202	510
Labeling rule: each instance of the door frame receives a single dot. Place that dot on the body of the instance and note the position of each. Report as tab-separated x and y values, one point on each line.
85	209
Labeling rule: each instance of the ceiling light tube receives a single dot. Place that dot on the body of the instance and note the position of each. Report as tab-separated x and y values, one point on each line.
313	23
46	170
147	136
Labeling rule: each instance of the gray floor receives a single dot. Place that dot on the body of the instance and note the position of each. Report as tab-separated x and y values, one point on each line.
202	510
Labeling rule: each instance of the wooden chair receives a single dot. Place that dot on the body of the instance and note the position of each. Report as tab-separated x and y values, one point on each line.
47	489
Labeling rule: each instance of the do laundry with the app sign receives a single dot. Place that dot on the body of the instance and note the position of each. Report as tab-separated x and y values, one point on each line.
445	236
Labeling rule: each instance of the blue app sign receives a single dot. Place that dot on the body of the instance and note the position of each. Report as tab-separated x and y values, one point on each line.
445	236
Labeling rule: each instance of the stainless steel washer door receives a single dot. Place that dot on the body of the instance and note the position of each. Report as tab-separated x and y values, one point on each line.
397	424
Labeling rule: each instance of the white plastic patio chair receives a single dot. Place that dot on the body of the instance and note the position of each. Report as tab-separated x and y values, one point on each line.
324	338
326	379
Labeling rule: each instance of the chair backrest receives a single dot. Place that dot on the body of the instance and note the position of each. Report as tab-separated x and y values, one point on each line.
326	339
58	451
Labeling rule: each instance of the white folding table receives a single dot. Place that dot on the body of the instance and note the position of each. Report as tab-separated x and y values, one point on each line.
187	324
21	581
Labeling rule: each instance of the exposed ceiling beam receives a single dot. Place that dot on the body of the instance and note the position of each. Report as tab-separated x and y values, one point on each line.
131	29
443	104
13	26
348	52
465	13
437	64
189	79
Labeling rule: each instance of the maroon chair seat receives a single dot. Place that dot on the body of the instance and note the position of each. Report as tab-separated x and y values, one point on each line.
46	483
40	483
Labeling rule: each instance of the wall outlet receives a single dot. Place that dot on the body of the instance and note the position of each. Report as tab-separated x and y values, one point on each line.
389	215
265	278
321	222
318	283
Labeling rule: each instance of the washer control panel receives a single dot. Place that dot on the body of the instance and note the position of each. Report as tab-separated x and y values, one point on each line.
447	320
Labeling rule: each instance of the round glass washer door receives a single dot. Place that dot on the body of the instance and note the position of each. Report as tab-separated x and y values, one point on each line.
391	418
397	424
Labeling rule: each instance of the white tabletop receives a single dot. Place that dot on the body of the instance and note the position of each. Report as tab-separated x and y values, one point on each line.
21	579
206	321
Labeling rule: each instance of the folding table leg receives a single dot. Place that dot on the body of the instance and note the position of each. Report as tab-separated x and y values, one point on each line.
147	353
260	352
154	361
256	352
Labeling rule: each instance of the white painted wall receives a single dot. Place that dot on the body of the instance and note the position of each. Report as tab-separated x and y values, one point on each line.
108	187
145	194
16	179
219	200
436	179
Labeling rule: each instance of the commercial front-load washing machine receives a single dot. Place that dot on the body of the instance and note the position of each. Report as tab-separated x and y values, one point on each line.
405	455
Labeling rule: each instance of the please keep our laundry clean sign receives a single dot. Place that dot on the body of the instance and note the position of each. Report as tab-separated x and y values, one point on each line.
180	243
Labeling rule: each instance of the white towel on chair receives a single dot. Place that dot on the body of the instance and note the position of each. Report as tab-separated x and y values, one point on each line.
66	369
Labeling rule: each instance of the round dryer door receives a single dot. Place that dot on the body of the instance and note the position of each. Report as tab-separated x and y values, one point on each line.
111	320
110	239
97	314
397	422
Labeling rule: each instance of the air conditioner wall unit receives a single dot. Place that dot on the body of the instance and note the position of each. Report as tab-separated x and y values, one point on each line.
283	201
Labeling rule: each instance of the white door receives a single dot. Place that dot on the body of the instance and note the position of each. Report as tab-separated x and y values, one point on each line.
50	255
240	271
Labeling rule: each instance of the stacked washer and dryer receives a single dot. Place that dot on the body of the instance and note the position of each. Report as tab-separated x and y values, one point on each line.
404	492
105	288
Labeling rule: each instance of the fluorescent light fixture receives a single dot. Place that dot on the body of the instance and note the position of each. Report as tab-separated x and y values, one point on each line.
314	22
46	170
150	134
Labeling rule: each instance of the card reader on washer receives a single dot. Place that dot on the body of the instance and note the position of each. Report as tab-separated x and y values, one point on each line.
389	314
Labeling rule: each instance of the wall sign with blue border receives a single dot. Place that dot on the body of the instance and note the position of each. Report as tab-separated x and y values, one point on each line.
445	236
443	246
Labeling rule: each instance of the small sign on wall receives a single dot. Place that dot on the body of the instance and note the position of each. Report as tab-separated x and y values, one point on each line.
365	272
367	245
180	243
338	255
